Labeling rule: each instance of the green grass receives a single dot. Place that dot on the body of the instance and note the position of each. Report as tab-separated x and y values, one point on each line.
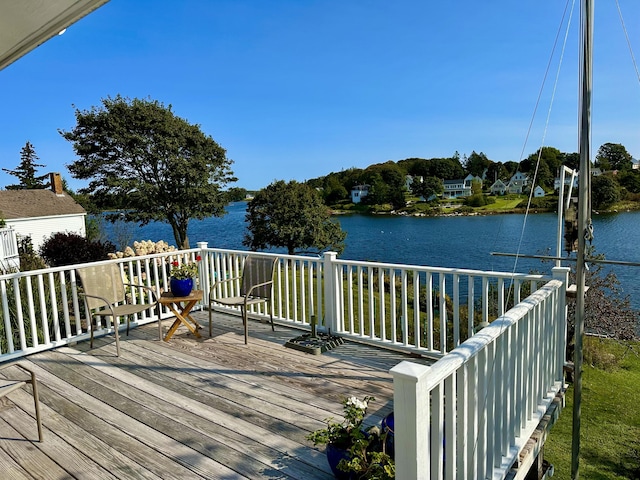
610	416
503	203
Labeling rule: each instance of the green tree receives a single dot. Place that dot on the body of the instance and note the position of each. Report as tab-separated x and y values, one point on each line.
630	180
428	187
236	194
571	160
291	215
613	156
156	166
26	171
550	160
477	163
604	191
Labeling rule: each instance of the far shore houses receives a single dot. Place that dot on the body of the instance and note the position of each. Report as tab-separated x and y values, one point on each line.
519	183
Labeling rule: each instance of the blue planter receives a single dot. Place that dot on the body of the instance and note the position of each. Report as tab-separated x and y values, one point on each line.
181	287
389	426
334	455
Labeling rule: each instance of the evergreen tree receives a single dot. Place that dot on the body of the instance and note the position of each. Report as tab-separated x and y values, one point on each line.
26	171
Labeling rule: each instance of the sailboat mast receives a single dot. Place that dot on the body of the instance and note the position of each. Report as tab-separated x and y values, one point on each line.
584	215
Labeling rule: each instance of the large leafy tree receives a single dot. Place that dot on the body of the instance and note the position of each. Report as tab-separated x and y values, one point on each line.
604	191
291	215
427	187
614	156
26	170
142	158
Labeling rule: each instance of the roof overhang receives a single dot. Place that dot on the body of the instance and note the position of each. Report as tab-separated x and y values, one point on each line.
25	24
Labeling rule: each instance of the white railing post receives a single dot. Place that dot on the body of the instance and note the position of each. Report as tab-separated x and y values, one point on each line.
561	274
411	420
331	284
203	271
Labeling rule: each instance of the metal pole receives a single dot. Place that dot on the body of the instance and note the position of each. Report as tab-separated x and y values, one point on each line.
584	220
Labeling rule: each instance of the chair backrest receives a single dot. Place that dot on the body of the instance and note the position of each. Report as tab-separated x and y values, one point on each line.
104	281
258	270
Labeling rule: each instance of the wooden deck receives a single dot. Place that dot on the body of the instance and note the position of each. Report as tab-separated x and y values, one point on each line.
187	408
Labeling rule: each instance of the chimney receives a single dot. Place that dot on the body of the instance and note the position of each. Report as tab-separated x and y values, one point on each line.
56	183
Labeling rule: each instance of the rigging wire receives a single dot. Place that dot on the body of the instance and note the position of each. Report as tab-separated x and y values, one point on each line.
546	125
537	104
626	36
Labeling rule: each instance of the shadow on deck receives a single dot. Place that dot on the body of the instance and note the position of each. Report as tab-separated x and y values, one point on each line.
187	408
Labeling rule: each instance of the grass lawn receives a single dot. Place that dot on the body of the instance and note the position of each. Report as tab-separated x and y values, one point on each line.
610	416
503	203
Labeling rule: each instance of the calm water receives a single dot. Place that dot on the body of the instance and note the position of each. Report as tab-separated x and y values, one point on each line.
457	242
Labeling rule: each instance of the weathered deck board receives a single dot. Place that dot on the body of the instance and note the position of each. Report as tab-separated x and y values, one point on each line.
188	408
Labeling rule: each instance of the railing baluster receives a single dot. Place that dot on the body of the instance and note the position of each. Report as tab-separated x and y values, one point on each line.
383	305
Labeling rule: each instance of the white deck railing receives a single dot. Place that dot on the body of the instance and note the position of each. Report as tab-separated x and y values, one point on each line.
9	257
389	305
465	417
40	309
469	415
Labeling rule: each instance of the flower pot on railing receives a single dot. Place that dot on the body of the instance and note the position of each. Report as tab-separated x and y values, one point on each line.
181	287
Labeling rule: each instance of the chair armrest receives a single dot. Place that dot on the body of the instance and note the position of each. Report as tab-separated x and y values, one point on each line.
150	289
24	368
220	282
253	287
104	300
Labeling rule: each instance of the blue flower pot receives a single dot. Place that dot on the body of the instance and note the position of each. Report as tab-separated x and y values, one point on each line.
181	287
334	455
389	426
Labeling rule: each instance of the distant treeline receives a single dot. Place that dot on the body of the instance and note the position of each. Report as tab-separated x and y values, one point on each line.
387	181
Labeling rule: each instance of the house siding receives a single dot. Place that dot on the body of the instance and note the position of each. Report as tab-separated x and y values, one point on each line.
41	228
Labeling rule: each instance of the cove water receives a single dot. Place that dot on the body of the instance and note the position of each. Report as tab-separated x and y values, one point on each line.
454	242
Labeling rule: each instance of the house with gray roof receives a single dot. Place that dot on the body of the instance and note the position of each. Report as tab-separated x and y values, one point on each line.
41	213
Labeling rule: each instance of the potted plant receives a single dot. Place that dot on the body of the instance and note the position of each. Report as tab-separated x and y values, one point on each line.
182	275
354	452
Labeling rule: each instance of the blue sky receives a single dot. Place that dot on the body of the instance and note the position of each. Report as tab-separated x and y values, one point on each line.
295	89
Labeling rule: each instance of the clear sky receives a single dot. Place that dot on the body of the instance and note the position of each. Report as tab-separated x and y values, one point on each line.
295	89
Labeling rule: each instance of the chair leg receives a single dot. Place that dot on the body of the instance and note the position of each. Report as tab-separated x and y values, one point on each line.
246	325
271	315
210	318
36	404
90	325
159	311
116	324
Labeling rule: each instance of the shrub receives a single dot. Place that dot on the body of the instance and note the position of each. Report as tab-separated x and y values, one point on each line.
478	200
70	248
596	354
29	259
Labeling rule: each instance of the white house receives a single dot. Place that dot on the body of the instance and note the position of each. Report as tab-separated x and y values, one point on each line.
359	192
459	187
498	188
518	183
40	213
538	191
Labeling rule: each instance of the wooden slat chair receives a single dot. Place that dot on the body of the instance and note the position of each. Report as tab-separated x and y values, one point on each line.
256	283
9	385
105	295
